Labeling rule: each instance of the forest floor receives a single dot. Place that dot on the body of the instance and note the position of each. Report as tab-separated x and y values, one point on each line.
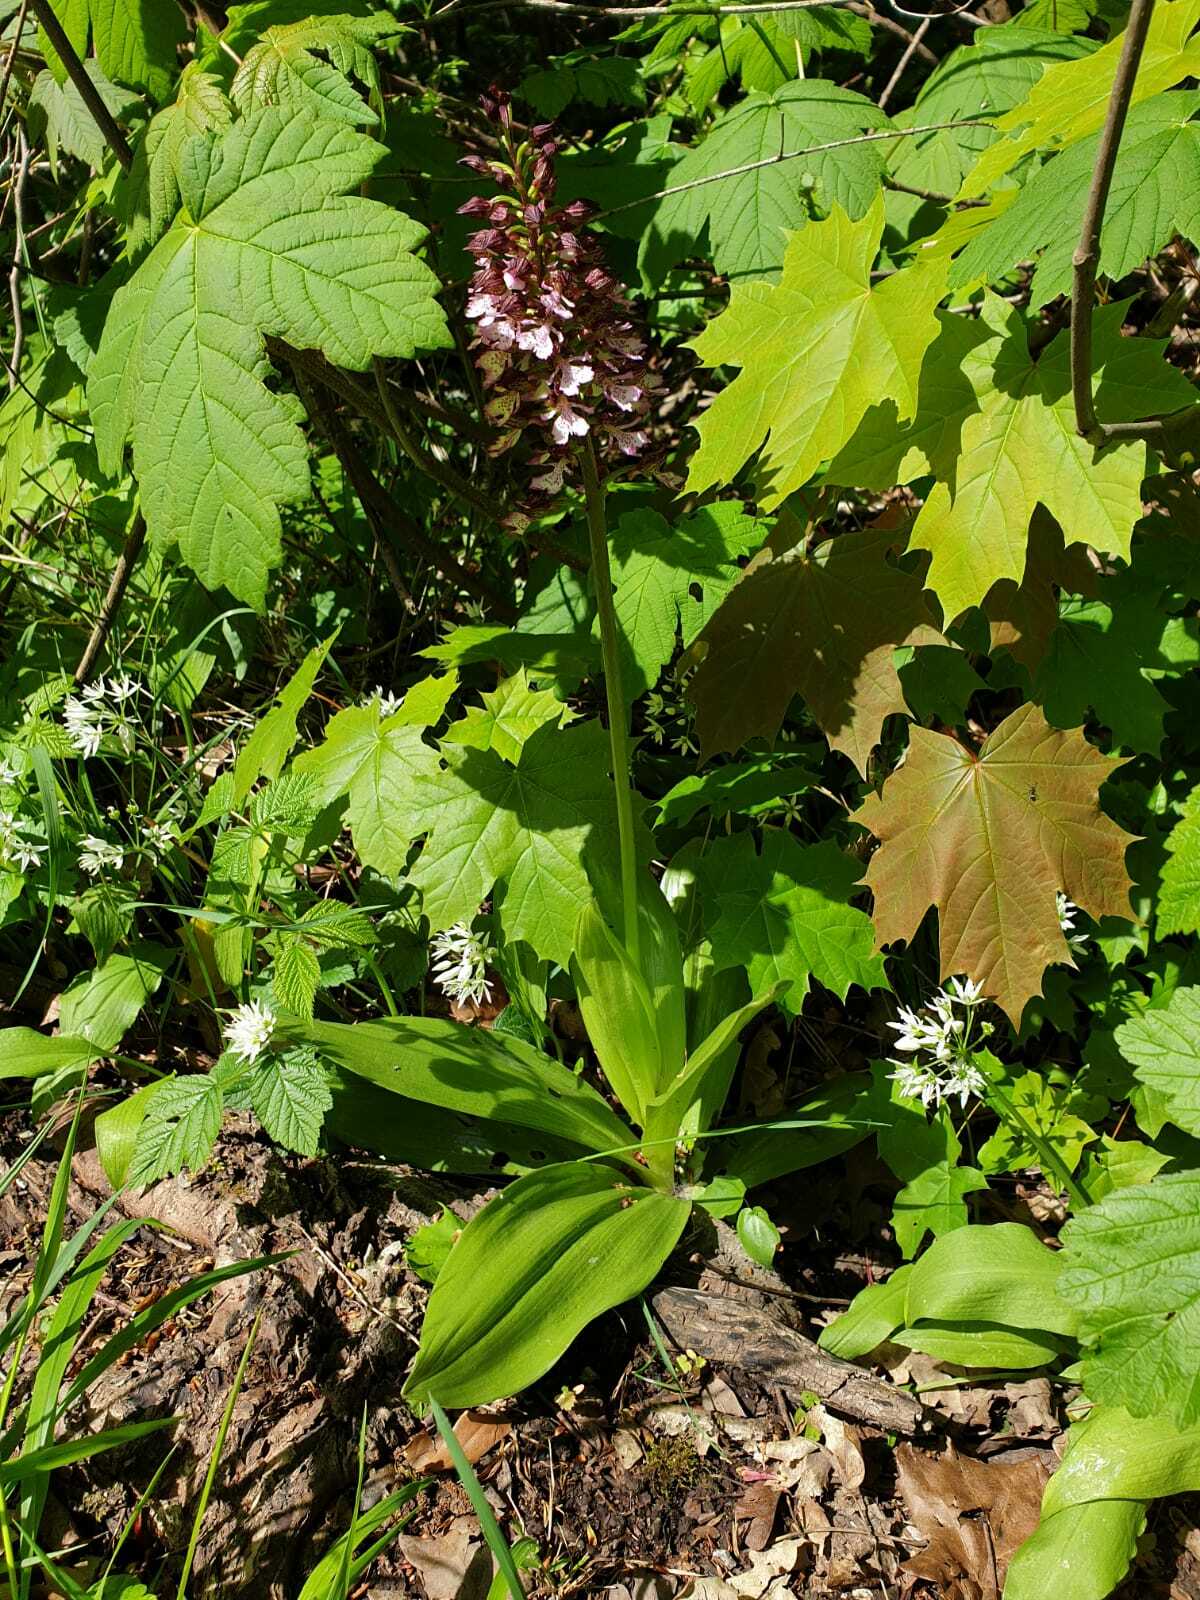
725	1477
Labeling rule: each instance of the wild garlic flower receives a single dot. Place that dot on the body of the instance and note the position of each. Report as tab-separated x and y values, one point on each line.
101	708
17	847
250	1030
1067	912
947	1042
10	774
559	353
98	856
159	834
389	703
460	961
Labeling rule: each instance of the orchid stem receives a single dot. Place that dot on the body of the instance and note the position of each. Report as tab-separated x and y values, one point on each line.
618	714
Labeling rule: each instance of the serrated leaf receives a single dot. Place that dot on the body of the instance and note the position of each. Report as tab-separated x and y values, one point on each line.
270	741
748	215
785	916
823	623
337	927
1178	907
934	1202
284	68
134	43
290	1098
509	714
215	451
595	80
296	977
182	1121
763	52
816	352
199	107
60	120
1164	1046
1131	1266
990	838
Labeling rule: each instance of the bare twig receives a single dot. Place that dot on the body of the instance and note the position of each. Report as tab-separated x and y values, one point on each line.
441	472
902	65
24	156
861	9
88	93
12	53
1086	260
788	155
119	582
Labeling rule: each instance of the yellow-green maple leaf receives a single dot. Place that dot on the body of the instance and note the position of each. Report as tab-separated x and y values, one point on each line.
816	350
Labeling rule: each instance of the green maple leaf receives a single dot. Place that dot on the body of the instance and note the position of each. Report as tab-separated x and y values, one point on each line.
823	623
1178	909
597	81
284	69
534	834
749	215
1132	1266
199	107
509	714
133	41
934	1202
785	916
1155	195
763	52
267	243
816	351
1069	101
990	838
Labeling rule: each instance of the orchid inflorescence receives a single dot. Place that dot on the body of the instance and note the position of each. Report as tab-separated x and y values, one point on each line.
946	1040
558	349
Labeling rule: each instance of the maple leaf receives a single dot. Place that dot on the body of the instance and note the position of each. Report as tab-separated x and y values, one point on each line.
266	222
1022	617
282	68
816	351
509	714
823	623
135	43
199	106
989	839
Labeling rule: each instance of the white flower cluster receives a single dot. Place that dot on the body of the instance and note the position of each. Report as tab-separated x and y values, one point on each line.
944	1038
250	1030
97	856
18	848
1067	912
460	963
389	703
101	708
9	774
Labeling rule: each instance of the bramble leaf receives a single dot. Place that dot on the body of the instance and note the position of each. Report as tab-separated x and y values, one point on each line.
267	243
180	1127
1178	909
990	839
1164	1046
290	1097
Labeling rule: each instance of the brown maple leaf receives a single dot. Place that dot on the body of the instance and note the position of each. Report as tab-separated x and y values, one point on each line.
989	838
821	622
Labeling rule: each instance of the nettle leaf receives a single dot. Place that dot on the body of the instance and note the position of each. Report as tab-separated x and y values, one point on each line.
816	352
1132	1266
990	839
267	243
785	915
134	43
1155	195
284	68
749	216
290	1096
1178	908
1164	1046
507	717
597	81
999	433
823	623
180	1127
1069	101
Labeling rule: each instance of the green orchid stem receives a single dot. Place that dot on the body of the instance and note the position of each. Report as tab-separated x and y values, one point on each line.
1052	1163
618	715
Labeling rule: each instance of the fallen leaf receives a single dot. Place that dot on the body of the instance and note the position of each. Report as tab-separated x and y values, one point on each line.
452	1566
476	1431
769	1570
803	1466
757	1504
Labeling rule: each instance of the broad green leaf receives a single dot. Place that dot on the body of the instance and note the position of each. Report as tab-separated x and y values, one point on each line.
823	623
285	69
748	215
934	1202
768	49
1046	1111
758	1235
998	1275
1116	1455
619	1013
582	76
1069	101
264	220
1119	1164
102	1004
180	1126
1080	1554
828	1122
992	1347
199	107
1132	1268
135	42
1153	197
290	1097
530	1271
507	717
25	1053
990	837
786	917
1178	908
816	351
873	1316
117	1128
1164	1046
271	740
745	787
468	1070
59	119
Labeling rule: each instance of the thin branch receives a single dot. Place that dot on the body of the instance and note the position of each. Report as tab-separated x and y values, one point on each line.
1086	260
12	53
25	156
893	82
88	93
441	472
860	9
122	572
786	155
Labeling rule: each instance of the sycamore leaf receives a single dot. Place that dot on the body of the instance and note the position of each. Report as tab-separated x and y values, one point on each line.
525	833
267	243
749	214
785	916
763	52
1164	1046
1155	195
135	41
816	352
823	623
934	1202
509	714
990	839
290	1096
59	120
1132	1266
1069	101
283	68
1178	909
597	81
199	106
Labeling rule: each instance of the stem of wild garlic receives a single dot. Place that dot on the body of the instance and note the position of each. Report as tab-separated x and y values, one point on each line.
618	715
